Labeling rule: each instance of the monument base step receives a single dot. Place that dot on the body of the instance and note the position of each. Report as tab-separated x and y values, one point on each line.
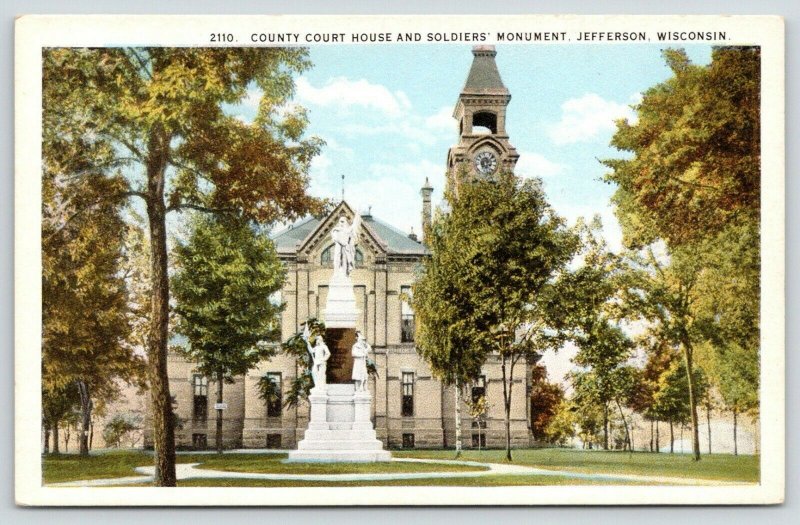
372	444
338	456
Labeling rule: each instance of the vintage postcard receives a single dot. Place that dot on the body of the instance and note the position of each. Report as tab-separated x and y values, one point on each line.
404	260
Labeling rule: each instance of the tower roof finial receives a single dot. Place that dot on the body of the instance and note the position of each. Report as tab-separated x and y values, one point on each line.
484	78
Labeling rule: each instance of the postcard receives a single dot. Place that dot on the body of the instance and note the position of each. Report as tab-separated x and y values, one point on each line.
404	260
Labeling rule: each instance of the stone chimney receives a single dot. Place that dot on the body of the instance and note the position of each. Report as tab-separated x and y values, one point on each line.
426	192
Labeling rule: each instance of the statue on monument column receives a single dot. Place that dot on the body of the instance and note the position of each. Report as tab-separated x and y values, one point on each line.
345	239
319	357
360	352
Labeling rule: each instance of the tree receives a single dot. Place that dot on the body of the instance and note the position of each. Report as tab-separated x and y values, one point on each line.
693	182
226	274
587	301
696	150
119	428
57	403
158	115
561	427
445	333
494	256
663	292
478	408
545	399
738	383
85	326
659	358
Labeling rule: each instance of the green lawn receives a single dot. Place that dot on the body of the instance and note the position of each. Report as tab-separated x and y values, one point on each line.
485	481
71	467
118	464
272	464
724	467
115	464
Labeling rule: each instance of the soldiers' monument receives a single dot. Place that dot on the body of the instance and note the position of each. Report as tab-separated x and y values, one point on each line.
339	427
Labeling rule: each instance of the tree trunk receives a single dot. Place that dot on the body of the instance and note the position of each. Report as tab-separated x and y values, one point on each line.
708	422
625	425
651	434
658	439
46	438
457	398
163	422
66	438
671	438
91	435
605	426
86	417
507	406
687	357
55	439
735	425
220	379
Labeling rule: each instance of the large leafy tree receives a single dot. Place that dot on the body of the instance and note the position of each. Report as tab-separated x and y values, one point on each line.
662	291
692	181
586	300
226	274
696	150
445	331
157	115
86	332
502	246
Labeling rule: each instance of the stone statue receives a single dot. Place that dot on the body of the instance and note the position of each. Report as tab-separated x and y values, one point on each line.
345	239
360	352
319	356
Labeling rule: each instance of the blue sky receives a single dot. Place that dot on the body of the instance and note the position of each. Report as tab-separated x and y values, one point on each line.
385	113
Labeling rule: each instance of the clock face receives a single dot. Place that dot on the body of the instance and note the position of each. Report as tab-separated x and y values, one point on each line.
485	162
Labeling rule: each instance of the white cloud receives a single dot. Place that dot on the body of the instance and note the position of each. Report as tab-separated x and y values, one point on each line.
442	121
586	117
343	93
536	165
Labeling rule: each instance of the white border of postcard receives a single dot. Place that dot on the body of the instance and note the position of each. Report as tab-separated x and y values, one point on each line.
35	32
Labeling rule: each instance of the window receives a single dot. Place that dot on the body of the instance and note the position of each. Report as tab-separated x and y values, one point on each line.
326	258
406	316
273	441
479	389
199	441
274	405
276	299
479	440
407	408
484	121
408	440
200	391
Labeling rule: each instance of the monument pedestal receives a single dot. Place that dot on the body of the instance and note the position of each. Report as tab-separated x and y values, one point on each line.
340	429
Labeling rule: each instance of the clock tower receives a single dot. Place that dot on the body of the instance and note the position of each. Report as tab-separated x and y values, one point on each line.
483	148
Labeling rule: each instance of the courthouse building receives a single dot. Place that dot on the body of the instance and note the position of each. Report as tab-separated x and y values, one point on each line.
410	407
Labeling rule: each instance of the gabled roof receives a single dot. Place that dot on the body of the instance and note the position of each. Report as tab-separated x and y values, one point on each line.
292	239
484	78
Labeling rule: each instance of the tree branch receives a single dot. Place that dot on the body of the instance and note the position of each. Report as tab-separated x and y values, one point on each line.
197	207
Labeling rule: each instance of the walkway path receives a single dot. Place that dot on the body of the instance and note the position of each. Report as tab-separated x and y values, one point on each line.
191	471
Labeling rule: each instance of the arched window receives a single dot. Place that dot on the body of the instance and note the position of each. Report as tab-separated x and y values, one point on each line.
485	120
326	258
